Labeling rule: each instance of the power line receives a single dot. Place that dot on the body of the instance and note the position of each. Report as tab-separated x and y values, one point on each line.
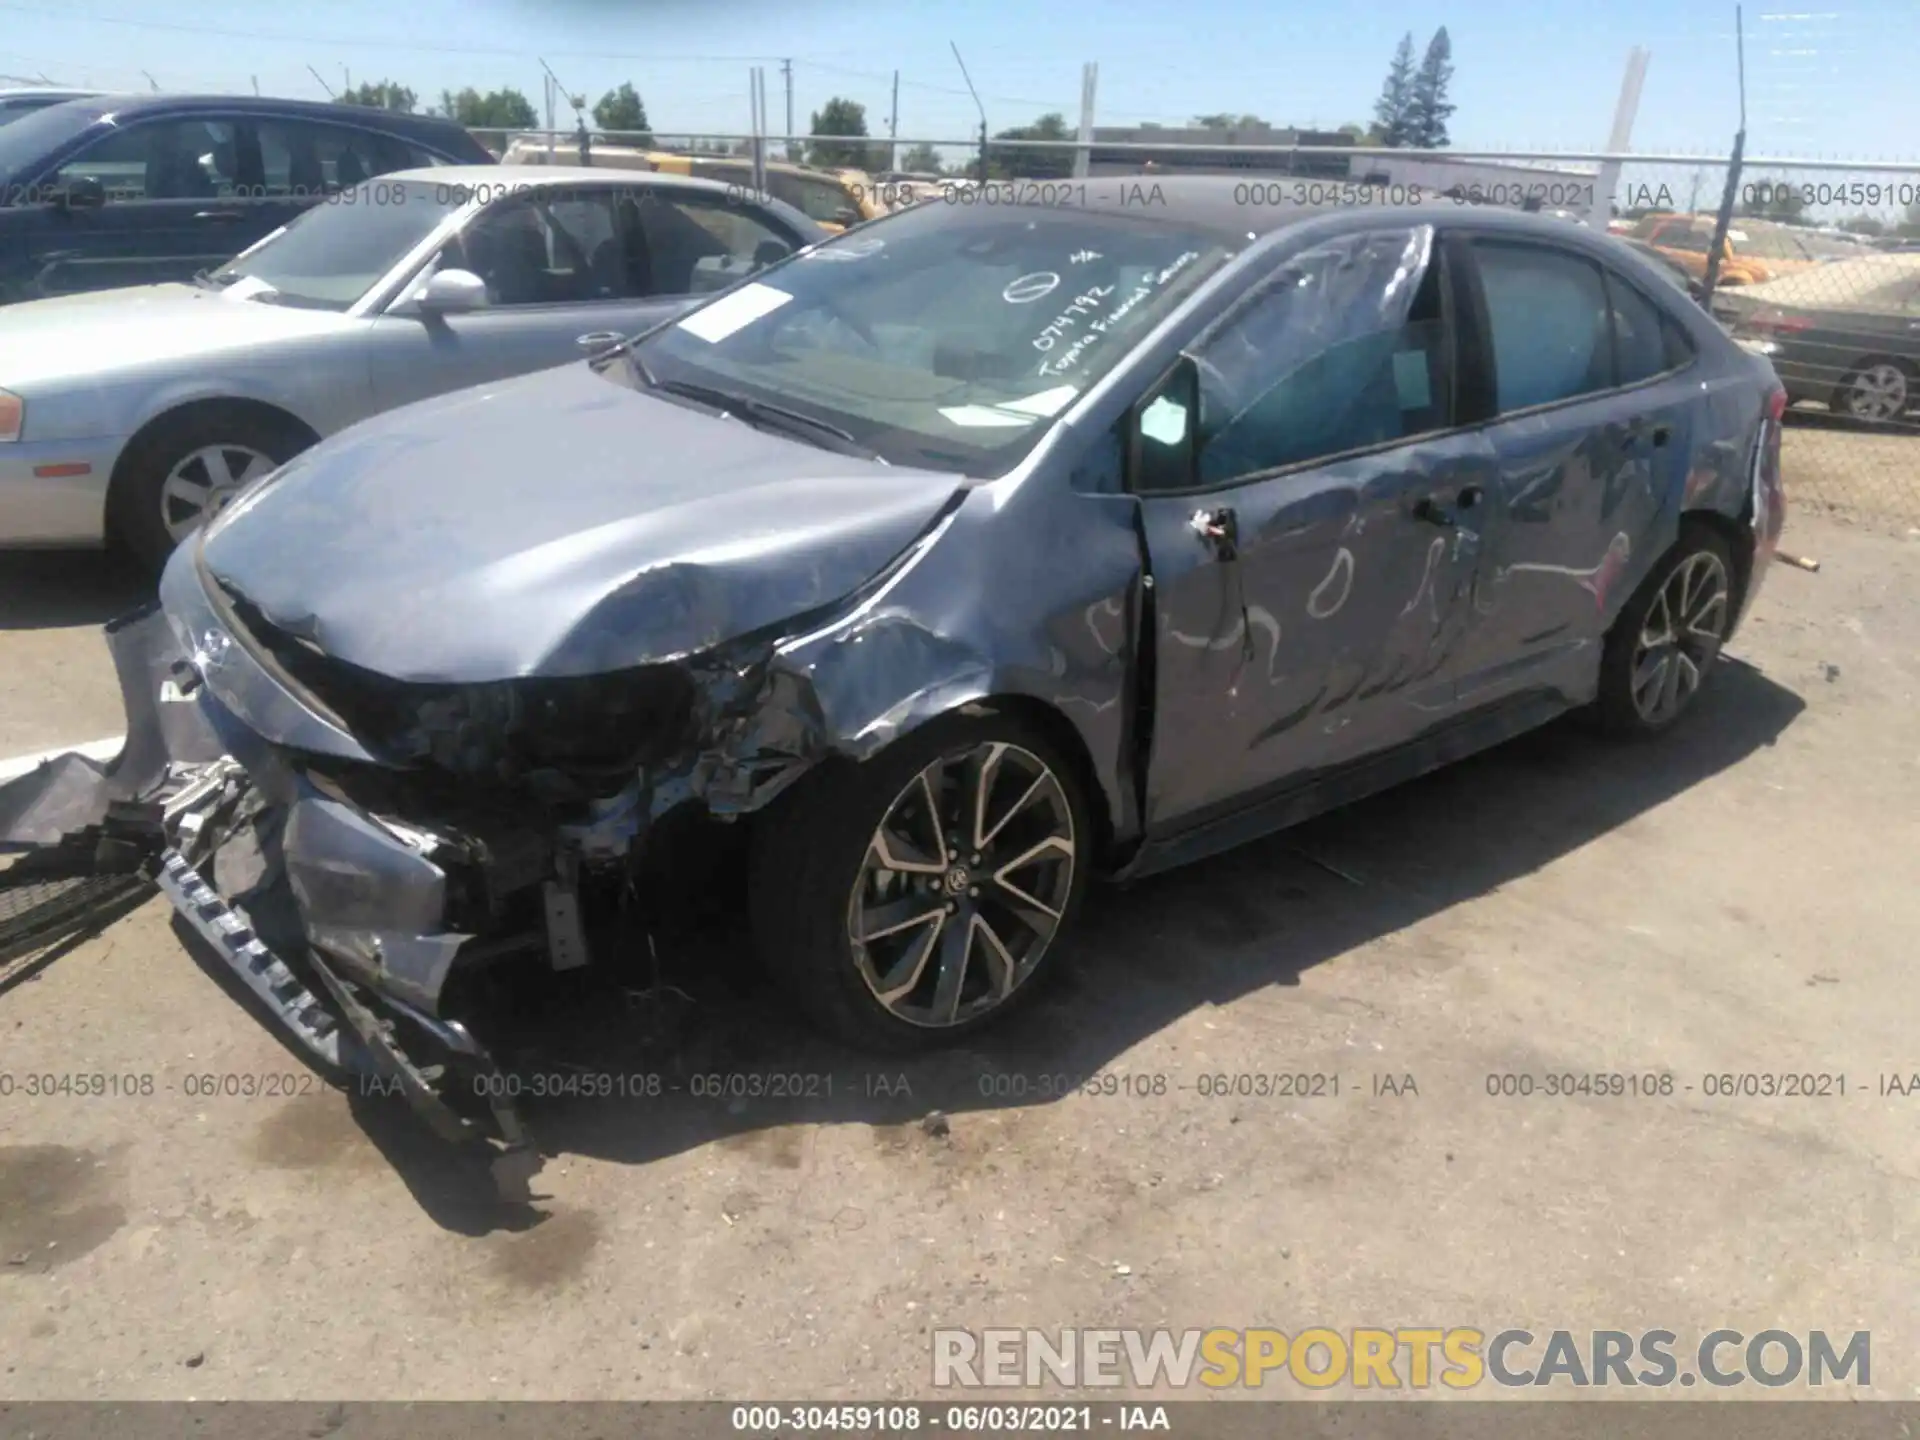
375	42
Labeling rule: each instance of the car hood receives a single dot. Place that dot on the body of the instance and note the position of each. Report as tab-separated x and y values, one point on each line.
80	336
561	523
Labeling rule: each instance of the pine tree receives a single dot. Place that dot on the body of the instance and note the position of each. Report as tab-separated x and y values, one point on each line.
1391	110
1428	106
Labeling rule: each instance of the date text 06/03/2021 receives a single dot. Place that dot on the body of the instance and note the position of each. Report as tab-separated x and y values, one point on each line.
911	1417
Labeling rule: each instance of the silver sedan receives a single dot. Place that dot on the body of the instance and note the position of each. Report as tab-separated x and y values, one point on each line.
135	414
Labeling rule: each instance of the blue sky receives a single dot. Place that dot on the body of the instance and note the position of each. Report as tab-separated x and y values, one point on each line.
1831	77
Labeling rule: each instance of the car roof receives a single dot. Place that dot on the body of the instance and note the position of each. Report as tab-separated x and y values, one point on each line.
541	177
395	121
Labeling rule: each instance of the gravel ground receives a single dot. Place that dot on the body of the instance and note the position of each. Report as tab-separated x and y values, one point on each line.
1740	897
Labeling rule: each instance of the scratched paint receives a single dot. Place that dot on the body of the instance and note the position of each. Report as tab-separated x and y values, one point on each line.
1331	593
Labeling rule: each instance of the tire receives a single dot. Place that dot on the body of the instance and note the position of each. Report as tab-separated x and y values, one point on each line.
139	501
1629	665
1877	391
818	870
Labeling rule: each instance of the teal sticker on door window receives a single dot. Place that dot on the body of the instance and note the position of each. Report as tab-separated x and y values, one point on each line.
1412	380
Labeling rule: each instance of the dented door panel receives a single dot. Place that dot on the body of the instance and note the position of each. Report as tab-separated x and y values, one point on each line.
1354	612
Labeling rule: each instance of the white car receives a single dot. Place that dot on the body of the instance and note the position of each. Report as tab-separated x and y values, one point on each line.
134	414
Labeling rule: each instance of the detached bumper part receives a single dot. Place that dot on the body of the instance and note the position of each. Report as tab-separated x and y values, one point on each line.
343	1026
168	809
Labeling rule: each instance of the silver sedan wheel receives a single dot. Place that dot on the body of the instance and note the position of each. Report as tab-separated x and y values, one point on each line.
1683	633
963	885
201	484
1878	392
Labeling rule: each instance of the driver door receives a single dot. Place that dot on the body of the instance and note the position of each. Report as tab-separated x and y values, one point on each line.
558	288
1309	509
568	274
173	203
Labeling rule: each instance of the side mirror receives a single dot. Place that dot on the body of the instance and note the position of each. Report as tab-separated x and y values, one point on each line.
848	215
452	292
82	192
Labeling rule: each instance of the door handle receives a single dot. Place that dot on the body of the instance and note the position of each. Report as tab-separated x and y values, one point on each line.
1219	529
224	216
599	339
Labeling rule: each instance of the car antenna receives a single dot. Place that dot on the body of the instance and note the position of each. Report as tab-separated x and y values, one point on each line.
323	84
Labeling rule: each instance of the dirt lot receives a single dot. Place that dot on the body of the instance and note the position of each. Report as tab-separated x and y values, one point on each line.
1862	474
1739	898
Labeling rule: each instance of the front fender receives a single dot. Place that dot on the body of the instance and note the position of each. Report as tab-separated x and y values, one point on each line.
1031	595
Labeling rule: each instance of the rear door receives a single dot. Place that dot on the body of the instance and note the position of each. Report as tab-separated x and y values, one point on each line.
175	202
1592	421
1300	480
305	162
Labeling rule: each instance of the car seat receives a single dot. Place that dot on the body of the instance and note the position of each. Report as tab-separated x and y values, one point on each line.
305	174
637	254
349	170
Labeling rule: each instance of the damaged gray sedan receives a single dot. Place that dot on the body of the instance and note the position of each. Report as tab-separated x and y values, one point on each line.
959	560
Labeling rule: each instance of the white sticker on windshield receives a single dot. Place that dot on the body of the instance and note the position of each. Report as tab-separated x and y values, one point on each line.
985	417
734	312
1046	404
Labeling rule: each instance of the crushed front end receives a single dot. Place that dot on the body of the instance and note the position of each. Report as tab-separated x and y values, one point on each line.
351	846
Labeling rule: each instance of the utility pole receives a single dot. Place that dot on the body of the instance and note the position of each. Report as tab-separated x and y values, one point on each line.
547	91
1083	157
893	126
976	105
786	72
256	83
346	78
1608	180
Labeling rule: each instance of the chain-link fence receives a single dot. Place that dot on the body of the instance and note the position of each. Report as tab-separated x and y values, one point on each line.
1820	272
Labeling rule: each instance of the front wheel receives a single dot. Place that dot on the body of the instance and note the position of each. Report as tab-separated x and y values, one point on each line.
1668	637
917	897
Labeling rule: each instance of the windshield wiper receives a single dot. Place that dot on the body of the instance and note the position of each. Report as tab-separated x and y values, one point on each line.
210	279
769	417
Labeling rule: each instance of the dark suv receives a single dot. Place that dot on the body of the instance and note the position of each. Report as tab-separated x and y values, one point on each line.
133	190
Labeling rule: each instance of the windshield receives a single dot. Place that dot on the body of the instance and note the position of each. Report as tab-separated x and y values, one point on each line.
27	141
339	250
947	337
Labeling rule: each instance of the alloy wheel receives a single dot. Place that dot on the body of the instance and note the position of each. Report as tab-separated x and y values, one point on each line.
201	484
963	885
1878	392
1680	637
